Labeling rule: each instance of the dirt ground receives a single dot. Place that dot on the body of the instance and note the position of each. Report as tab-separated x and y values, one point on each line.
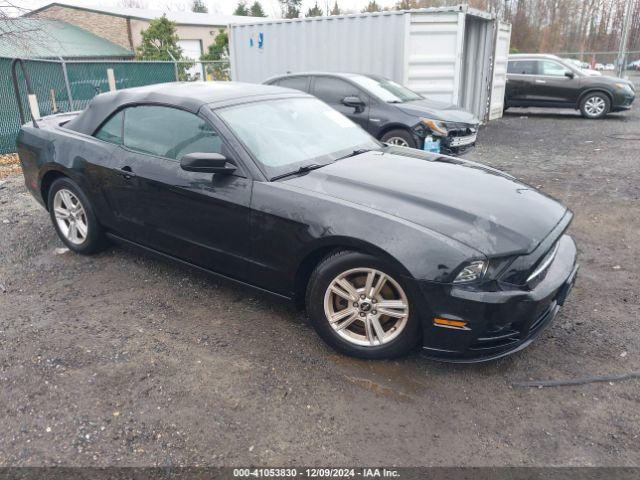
121	359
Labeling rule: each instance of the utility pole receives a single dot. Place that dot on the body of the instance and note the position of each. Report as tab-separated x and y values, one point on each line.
626	23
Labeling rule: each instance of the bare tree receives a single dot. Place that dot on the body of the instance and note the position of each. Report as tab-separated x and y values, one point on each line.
23	34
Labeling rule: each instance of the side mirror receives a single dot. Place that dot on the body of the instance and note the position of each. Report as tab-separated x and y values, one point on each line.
569	74
207	163
353	101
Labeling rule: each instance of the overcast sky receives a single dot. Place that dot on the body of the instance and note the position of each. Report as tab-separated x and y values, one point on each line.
272	7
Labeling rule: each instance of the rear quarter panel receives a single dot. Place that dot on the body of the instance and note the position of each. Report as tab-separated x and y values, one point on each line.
52	148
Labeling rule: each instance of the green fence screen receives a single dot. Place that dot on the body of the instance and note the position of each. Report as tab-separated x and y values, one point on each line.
86	80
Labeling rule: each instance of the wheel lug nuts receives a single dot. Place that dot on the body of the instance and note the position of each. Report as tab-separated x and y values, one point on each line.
362	297
355	304
374	313
362	314
373	300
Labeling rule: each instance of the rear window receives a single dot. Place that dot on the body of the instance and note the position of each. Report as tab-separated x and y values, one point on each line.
297	83
522	67
111	131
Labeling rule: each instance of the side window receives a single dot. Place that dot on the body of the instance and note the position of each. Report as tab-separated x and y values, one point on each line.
522	67
111	130
333	90
168	132
299	83
552	69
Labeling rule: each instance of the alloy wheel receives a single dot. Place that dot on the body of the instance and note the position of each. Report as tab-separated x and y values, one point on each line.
399	141
366	307
70	216
595	106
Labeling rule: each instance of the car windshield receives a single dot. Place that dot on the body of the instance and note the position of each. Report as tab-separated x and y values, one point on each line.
386	90
289	134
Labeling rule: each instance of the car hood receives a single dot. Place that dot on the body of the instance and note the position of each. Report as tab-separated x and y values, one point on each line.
478	206
437	111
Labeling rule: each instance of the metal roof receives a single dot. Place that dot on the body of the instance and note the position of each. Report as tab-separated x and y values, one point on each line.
43	38
181	18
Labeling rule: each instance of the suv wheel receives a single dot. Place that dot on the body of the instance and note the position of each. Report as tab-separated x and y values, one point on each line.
595	105
359	305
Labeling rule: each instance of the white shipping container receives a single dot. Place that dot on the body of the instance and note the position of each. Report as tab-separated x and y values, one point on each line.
452	54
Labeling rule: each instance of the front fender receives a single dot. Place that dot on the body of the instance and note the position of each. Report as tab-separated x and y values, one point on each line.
291	223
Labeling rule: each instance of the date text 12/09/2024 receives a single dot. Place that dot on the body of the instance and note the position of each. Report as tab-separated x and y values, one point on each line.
315	473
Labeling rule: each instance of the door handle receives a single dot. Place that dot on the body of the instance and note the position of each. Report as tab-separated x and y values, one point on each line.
541	81
127	173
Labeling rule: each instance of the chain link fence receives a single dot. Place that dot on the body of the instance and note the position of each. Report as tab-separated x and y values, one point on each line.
63	86
607	62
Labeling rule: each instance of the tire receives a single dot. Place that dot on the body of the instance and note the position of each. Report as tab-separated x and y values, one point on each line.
69	209
359	330
595	105
399	137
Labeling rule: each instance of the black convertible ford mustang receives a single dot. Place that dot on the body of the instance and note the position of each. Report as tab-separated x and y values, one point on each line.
386	246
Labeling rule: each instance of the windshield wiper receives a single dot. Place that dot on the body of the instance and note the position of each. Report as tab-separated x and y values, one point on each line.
354	153
302	169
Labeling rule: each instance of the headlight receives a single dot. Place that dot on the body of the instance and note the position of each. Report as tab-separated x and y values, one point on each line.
473	271
436	126
623	86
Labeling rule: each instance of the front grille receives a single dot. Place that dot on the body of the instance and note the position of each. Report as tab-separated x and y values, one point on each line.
461	129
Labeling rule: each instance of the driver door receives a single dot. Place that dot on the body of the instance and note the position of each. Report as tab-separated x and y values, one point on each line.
199	217
333	91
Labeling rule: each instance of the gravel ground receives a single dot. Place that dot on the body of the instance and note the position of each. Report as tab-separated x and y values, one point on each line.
121	359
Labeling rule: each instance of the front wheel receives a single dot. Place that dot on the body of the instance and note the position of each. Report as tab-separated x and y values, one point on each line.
359	305
401	138
73	217
595	105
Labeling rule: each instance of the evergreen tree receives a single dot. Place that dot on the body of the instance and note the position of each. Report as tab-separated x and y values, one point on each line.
256	10
336	9
314	11
218	51
241	9
290	8
199	6
160	42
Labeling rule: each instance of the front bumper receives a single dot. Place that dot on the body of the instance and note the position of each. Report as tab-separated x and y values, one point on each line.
461	137
623	99
498	322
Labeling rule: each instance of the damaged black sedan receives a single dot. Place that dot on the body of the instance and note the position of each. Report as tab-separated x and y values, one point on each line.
386	247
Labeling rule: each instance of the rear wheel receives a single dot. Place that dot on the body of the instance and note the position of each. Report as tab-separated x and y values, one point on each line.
399	137
595	105
359	305
73	217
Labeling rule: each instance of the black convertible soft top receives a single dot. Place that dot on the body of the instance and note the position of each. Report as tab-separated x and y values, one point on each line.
189	96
